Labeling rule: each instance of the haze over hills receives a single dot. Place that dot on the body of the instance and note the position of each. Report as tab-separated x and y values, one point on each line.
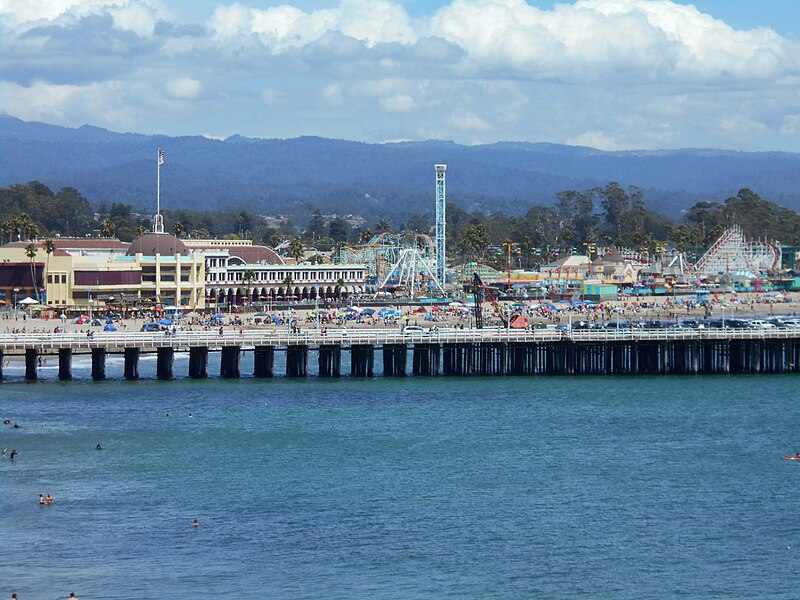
296	176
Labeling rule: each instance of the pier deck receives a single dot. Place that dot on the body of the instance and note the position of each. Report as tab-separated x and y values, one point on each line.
445	352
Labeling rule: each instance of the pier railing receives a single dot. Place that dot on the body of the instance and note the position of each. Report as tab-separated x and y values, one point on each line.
118	341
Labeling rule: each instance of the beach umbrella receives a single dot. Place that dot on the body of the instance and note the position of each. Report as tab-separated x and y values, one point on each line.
109	327
261	314
420	310
218	316
366	311
164	322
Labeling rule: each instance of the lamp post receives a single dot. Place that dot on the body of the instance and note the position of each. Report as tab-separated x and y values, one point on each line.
89	302
16	293
216	300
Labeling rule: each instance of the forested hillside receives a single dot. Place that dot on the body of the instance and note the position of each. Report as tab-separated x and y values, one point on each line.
391	181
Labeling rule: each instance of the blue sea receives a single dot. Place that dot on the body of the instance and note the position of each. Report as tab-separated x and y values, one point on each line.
612	487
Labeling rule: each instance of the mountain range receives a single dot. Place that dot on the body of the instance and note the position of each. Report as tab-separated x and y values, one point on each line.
390	180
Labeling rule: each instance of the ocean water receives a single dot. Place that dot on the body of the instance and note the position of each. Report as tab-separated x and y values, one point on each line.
415	488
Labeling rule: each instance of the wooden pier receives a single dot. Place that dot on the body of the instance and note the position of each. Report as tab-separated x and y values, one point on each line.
454	352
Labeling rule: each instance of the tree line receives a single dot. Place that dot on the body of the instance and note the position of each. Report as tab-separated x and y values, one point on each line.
578	221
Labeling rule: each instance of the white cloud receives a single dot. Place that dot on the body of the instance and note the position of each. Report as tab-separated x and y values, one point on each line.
595	139
469	122
604	73
401	103
138	16
184	88
106	104
284	27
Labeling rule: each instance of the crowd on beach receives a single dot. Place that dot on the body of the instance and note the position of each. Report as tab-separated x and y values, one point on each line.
362	315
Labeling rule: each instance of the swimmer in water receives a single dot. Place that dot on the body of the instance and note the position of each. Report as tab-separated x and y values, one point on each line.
4	452
15	426
49	499
99	447
195	523
12	455
41	500
6	421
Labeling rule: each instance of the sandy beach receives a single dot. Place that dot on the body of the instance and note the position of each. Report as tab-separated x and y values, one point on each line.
353	316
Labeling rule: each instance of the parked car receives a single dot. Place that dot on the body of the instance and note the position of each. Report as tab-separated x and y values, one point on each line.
413	329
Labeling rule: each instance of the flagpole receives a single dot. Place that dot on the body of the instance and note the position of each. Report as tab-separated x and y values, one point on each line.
158	223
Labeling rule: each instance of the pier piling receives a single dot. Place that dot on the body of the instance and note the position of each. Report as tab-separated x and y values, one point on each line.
264	362
65	364
98	364
131	367
229	362
165	359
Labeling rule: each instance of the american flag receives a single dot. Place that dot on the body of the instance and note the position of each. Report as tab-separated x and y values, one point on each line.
160	157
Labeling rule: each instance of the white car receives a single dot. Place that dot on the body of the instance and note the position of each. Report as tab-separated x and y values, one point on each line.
759	324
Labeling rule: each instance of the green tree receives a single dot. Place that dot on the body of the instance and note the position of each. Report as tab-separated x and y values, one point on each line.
178	229
383	226
475	242
338	230
316	228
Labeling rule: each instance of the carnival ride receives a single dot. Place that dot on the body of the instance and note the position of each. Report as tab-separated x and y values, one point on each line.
732	253
481	292
399	261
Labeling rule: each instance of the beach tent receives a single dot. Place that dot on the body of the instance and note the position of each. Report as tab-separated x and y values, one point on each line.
164	322
366	311
109	327
519	322
28	301
218	316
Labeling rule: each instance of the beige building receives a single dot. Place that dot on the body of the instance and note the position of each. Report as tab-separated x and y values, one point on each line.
88	272
158	268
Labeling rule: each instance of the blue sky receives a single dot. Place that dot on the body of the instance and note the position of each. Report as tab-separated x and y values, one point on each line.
611	74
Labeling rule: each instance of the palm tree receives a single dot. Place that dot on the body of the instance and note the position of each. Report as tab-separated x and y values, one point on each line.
287	282
107	228
141	230
296	250
49	247
382	226
30	252
338	287
248	277
7	229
